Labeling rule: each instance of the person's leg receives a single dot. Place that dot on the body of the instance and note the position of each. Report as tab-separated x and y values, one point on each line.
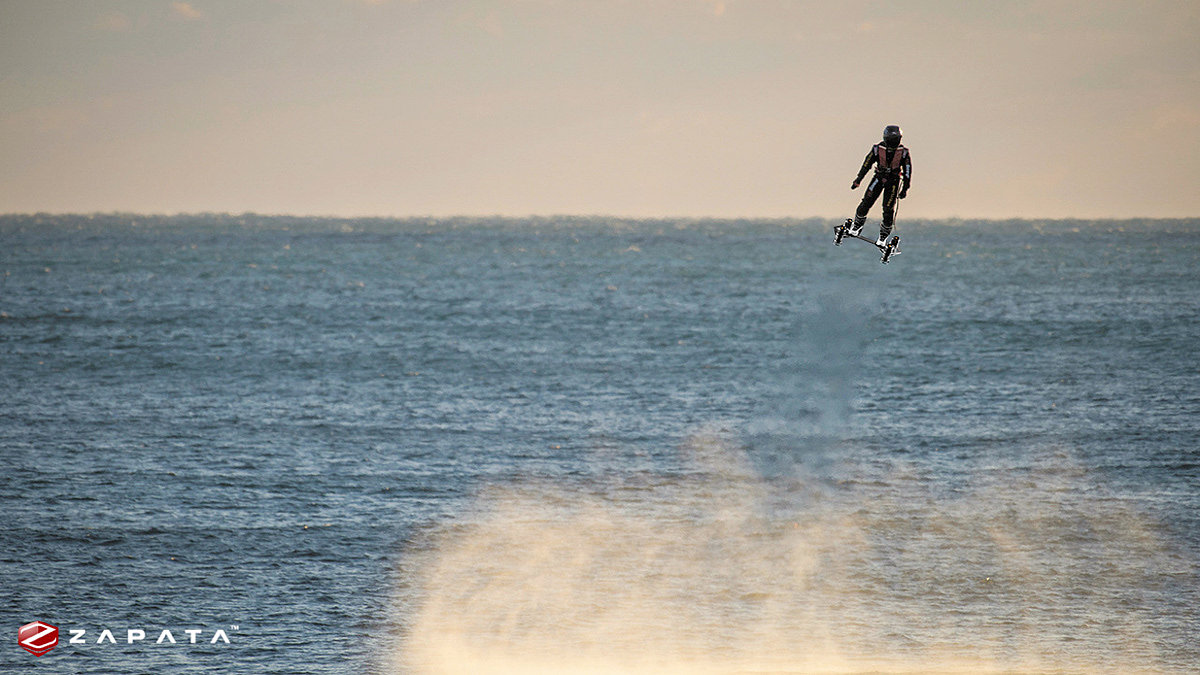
889	210
864	207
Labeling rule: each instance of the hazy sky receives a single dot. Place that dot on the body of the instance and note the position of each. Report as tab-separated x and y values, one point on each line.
732	108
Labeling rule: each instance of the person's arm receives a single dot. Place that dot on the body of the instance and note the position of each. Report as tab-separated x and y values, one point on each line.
866	166
906	171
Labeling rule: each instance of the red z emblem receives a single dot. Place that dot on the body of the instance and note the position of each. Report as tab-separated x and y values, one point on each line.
37	638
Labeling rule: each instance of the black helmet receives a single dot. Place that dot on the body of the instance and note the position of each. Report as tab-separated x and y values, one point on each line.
891	135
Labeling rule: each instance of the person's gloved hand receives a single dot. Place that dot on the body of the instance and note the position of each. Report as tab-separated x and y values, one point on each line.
854	185
903	192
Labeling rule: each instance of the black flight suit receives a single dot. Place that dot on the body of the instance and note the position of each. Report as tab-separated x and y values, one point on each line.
893	173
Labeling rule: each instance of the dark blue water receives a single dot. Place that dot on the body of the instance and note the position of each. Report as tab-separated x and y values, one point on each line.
583	445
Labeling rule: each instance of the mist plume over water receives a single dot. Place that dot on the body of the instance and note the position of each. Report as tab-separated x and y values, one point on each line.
784	549
713	572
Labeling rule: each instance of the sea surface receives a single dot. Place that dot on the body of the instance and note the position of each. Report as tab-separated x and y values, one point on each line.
595	445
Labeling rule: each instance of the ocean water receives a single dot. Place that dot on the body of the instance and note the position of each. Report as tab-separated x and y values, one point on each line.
588	445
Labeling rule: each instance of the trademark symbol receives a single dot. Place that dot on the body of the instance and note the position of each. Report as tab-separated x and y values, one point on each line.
234	626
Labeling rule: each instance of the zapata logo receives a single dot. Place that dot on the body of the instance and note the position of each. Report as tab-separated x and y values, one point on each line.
37	638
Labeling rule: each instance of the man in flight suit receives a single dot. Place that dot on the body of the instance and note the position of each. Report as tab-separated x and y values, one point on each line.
893	172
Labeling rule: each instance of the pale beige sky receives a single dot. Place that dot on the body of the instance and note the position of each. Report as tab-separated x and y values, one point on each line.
728	108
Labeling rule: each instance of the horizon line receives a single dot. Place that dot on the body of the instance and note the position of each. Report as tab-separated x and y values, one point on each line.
566	216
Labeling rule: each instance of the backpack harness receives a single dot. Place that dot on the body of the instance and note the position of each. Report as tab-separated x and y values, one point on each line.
885	169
